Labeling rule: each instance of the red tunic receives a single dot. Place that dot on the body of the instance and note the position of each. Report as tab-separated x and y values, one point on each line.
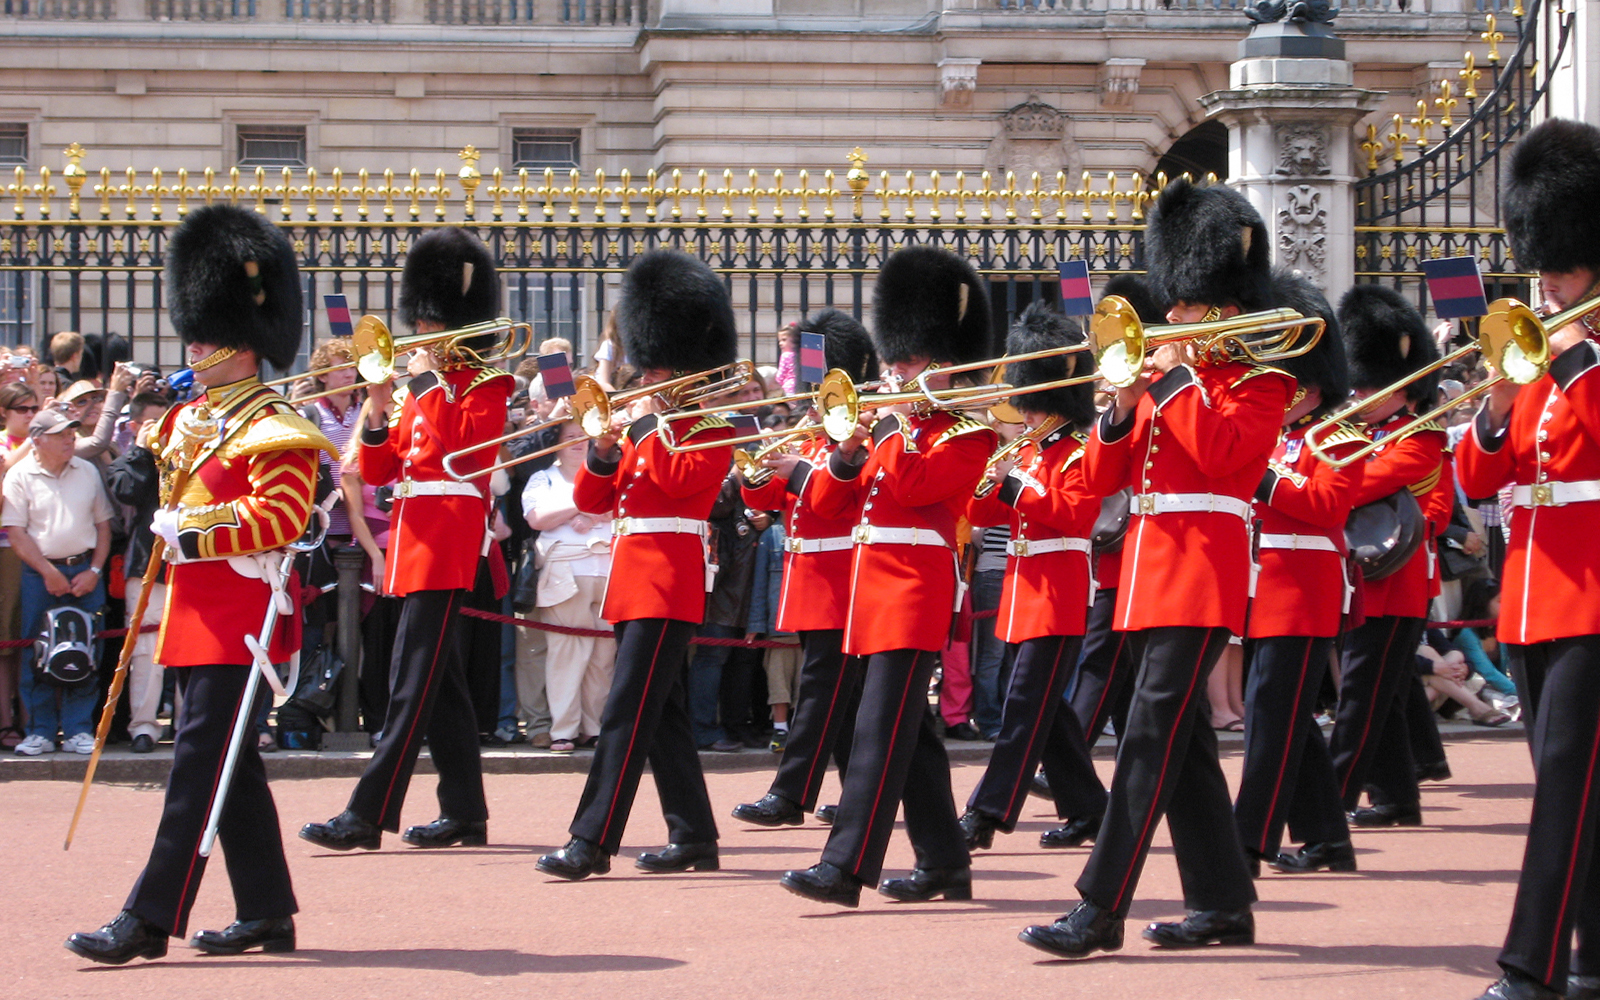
1195	432
816	585
251	492
435	542
920	474
1301	591
1043	498
1552	567
657	574
1415	463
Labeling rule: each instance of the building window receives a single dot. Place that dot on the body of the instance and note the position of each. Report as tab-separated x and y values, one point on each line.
553	306
16	309
13	144
537	148
272	145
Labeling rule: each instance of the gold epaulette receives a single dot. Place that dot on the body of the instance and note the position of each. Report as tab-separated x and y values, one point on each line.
279	428
1082	449
709	421
1284	472
963	425
1431	425
1259	370
485	373
399	402
1343	432
1423	487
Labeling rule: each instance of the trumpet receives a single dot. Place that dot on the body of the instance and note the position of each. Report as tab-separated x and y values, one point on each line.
592	407
376	349
1009	450
1515	344
1122	341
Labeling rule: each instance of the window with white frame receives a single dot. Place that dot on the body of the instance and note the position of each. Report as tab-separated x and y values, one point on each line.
538	148
13	144
271	145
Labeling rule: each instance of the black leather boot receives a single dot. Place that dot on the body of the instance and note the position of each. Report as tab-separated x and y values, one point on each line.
242	935
124	939
345	832
578	860
1084	931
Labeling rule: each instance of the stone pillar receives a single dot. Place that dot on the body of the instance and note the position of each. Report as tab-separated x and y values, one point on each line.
1290	110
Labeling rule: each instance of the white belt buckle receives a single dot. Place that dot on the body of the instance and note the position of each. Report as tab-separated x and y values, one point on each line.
1543	495
405	490
791	545
1019	546
861	534
621	526
1147	503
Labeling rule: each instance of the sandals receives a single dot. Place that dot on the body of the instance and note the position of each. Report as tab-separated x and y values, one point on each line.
10	736
1493	719
563	746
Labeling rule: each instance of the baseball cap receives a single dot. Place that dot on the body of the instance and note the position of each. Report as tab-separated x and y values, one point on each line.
49	421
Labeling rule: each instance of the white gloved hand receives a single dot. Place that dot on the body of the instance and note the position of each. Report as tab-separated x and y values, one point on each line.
165	526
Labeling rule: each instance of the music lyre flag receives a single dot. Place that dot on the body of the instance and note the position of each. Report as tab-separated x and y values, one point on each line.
557	375
1455	287
813	358
1077	298
338	308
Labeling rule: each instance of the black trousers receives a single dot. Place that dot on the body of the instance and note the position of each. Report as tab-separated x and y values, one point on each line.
646	718
1288	772
830	696
1559	891
1371	741
1035	725
428	696
1104	680
897	756
252	844
1167	765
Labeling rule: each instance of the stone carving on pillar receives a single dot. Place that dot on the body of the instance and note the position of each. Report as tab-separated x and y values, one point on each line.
1302	149
958	78
1034	137
1119	81
1303	233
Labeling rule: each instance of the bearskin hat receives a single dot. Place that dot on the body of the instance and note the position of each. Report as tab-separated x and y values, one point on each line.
1386	340
930	303
450	279
1138	293
845	343
233	282
1324	366
1208	245
1041	327
675	314
1551	214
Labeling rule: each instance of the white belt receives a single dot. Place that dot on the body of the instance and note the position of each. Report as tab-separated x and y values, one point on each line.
871	534
439	488
1039	546
1184	503
807	546
658	526
1302	543
1555	494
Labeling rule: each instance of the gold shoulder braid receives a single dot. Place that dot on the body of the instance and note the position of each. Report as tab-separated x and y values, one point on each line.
1259	370
1343	432
963	425
707	422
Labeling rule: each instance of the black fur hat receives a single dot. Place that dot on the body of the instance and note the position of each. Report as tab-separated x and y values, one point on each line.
1040	327
674	314
1324	366
1551	214
450	279
930	303
845	343
1386	340
1208	245
215	298
1152	311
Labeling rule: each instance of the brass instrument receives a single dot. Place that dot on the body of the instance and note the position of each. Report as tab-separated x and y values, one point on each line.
749	462
997	391
1009	450
592	407
376	349
1122	341
1515	344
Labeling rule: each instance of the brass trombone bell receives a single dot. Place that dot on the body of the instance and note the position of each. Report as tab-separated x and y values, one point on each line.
1122	341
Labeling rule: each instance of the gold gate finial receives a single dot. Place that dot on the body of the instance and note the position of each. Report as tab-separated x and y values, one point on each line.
468	175
75	175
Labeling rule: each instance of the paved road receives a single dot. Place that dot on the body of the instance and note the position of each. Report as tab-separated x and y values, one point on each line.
1423	918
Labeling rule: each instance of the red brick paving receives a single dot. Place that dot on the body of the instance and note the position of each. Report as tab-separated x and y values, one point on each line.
1423	918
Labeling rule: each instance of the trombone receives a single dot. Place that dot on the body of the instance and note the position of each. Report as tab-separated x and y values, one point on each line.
749	462
592	407
996	390
376	349
1515	344
1122	341
1008	450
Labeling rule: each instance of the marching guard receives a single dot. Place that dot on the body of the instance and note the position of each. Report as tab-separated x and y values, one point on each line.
235	301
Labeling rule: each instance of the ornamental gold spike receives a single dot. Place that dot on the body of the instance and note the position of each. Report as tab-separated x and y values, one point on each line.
1446	105
1493	37
74	174
1470	75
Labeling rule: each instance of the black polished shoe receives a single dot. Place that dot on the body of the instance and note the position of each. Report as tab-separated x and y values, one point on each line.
578	860
1334	855
447	832
242	935
979	829
825	884
121	941
680	858
966	732
1076	833
825	814
1040	786
1087	929
1437	771
927	883
1205	927
771	809
143	744
1387	814
1517	986
1583	987
345	832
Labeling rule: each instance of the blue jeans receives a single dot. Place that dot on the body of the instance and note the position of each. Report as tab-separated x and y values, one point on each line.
705	683
987	653
51	709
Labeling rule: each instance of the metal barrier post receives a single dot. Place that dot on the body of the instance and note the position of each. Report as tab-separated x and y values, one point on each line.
349	560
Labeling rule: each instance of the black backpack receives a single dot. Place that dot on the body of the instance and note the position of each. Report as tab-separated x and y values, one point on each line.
63	654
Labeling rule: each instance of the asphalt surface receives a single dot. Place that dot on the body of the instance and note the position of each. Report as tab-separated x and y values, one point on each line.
1423	918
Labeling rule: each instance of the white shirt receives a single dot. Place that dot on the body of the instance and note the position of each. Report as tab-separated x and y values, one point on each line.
547	489
58	512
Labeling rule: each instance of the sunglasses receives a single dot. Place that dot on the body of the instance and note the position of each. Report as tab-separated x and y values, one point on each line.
24	409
